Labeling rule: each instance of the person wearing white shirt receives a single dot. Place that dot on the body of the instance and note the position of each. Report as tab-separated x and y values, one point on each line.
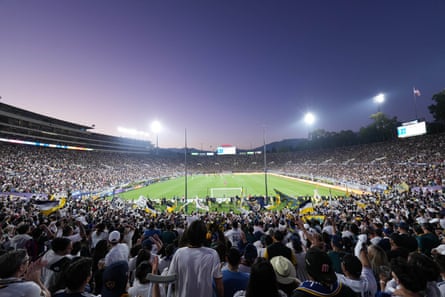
358	275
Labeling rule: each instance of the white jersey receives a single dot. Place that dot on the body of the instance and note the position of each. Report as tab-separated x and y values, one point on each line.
119	252
196	268
234	235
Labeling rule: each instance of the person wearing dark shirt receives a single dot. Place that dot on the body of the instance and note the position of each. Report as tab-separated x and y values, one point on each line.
277	248
322	278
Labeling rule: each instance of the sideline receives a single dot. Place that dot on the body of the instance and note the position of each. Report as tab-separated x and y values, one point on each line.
344	189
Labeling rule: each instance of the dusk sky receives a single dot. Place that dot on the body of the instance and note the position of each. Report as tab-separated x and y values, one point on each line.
226	70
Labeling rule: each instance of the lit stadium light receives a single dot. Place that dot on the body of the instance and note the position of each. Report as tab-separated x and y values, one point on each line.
309	118
156	127
379	99
133	133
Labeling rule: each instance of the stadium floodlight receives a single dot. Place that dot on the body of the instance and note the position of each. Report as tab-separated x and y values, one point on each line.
156	127
309	118
133	133
379	99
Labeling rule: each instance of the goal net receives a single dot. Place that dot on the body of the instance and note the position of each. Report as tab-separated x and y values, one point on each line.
225	192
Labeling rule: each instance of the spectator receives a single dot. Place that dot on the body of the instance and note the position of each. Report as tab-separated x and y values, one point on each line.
56	259
286	274
235	235
233	279
358	275
322	278
277	248
250	255
18	278
141	284
427	270
262	281
428	240
409	242
118	251
115	279
405	282
76	278
379	261
196	266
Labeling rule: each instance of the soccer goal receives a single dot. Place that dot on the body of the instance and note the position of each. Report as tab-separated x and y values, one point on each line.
225	192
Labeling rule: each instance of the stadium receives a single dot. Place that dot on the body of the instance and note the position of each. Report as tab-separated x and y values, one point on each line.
60	179
45	157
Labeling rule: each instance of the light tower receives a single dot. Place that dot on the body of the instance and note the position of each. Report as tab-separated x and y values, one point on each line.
379	99
156	128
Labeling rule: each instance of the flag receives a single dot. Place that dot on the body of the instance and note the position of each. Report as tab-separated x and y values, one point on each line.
306	207
141	202
199	205
284	198
416	92
47	207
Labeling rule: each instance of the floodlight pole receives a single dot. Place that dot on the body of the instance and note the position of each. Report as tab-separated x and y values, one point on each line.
265	161
185	165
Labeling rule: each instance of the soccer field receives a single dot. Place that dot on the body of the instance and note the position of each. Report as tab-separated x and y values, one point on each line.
251	184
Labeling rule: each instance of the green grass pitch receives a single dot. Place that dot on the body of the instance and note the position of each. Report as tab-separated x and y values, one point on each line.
252	184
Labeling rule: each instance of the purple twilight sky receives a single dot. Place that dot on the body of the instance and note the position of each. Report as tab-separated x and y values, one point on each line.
227	70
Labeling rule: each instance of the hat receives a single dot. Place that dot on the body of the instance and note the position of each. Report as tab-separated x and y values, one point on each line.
114	236
403	225
115	279
319	266
439	249
284	270
250	252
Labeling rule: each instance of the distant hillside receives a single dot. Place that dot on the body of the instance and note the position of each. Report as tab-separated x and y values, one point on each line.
285	144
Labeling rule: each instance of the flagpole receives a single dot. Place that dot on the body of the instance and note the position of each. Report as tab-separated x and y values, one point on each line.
415	101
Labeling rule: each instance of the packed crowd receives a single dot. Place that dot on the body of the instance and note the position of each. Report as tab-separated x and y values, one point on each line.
418	162
365	245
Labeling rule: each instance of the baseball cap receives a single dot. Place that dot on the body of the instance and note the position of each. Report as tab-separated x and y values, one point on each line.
319	266
114	236
403	225
284	270
115	279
